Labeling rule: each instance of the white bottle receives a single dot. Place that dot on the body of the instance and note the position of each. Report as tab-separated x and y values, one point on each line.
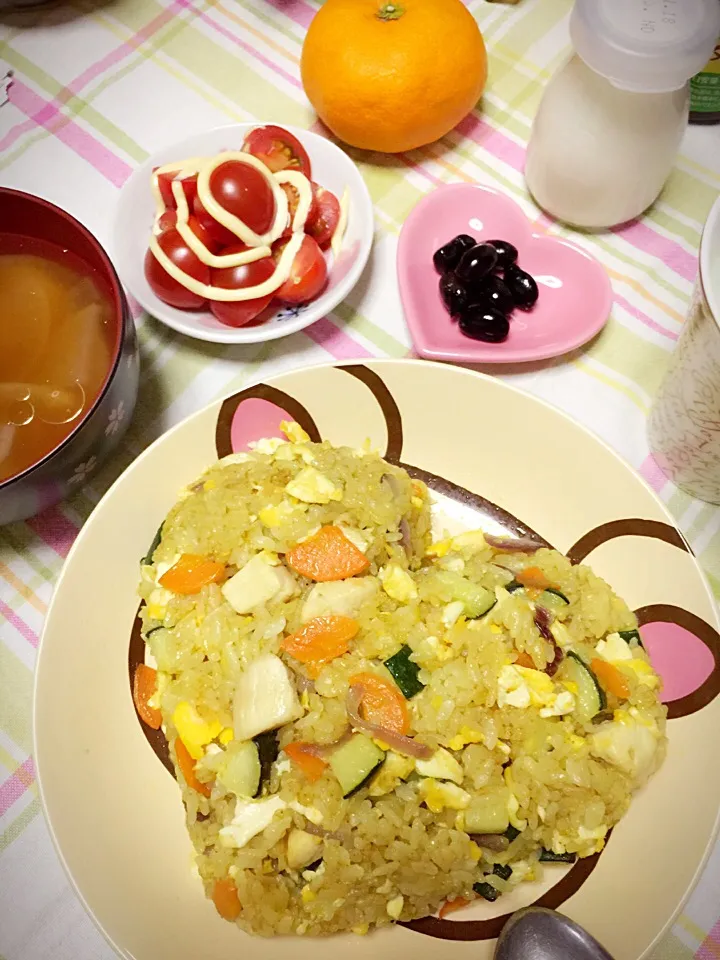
610	121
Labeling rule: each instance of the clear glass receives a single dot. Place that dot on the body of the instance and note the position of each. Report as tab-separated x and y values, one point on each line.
598	155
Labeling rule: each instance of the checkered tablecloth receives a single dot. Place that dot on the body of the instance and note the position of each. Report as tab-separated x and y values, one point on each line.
98	85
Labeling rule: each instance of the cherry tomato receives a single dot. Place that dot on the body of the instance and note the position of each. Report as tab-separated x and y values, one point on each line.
166	287
233	278
324	216
293	200
308	274
220	234
244	191
189	185
169	219
278	149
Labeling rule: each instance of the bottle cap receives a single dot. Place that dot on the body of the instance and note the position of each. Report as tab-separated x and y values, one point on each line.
647	46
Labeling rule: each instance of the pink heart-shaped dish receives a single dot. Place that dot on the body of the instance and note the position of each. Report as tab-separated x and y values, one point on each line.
575	292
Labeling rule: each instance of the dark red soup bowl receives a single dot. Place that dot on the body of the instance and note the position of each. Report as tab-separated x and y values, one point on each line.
30	221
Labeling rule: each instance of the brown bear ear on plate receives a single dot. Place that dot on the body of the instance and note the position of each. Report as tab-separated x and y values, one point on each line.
390	410
683	647
629	527
256	413
685	652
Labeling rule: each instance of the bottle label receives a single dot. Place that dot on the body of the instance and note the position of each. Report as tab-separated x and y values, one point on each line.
705	87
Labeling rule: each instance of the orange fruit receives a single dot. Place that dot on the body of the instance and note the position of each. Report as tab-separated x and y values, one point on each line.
393	76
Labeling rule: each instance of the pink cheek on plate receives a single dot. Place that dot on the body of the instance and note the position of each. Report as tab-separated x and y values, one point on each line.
256	418
682	660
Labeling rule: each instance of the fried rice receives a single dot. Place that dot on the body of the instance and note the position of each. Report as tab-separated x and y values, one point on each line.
489	707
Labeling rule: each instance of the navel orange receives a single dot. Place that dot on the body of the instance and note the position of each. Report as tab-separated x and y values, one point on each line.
392	76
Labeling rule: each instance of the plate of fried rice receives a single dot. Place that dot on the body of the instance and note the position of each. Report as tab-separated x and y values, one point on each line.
370	657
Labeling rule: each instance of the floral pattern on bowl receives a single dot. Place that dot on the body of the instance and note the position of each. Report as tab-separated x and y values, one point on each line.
575	292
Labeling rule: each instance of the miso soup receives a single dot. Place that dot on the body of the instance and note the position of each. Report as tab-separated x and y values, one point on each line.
56	346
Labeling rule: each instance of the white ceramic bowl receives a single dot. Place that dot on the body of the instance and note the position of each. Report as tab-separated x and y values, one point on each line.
331	168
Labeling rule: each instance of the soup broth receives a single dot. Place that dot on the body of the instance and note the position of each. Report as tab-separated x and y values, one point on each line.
56	344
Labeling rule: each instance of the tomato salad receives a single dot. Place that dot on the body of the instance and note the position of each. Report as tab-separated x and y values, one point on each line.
235	231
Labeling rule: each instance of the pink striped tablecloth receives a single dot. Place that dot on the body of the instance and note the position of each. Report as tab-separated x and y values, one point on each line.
100	85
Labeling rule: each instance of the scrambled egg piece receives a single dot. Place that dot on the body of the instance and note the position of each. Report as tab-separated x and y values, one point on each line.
613	649
160	596
294	432
439	549
475	852
274	516
513	803
194	732
395	769
452	613
268	445
644	672
474	539
157	603
442	765
251	818
312	486
563	703
356	537
394	907
397	584
513	810
561	635
523	687
629	742
310	813
226	736
466	735
438	795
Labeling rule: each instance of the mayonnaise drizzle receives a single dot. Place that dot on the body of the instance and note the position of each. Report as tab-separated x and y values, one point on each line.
185	168
337	237
282	272
235	224
305	195
199	248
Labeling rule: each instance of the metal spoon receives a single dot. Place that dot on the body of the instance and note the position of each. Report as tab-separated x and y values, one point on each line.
539	934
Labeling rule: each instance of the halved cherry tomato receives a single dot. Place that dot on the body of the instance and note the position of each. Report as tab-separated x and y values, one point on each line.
245	192
163	285
168	220
324	216
278	149
189	185
232	278
217	231
293	200
308	274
